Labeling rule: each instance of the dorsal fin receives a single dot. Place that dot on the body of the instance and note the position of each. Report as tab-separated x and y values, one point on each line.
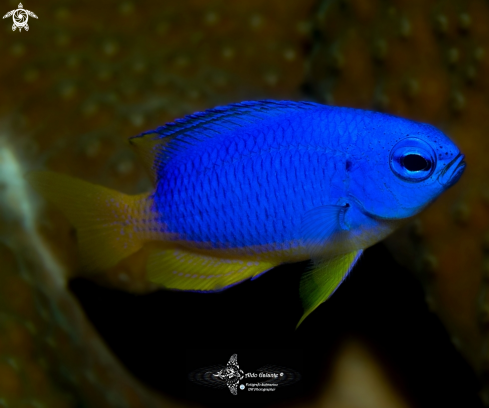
148	145
155	147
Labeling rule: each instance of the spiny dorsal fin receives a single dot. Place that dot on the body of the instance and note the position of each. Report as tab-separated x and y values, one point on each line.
149	147
155	147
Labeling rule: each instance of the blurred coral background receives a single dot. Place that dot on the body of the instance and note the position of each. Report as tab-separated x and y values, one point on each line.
408	329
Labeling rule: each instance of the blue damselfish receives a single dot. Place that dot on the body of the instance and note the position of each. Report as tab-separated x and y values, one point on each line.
240	189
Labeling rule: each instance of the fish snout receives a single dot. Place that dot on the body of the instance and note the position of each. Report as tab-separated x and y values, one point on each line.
452	173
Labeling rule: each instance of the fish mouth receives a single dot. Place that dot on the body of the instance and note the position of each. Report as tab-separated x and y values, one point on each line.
452	173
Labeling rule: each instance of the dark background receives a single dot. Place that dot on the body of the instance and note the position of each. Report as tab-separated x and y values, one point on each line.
162	337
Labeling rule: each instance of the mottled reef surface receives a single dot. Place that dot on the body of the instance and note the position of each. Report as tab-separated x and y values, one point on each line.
87	76
426	62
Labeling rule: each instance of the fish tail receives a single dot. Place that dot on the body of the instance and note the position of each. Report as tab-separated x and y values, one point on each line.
107	221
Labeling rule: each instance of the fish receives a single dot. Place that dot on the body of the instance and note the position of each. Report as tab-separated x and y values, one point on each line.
242	188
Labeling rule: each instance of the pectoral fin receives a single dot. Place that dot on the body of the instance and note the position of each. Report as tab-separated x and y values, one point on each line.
319	283
321	224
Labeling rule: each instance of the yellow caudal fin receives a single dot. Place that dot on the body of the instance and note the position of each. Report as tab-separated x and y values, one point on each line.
105	219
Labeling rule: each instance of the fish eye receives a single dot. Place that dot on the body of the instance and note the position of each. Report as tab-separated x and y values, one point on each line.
412	160
415	162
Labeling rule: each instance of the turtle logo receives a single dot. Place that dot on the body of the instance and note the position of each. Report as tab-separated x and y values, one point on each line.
20	17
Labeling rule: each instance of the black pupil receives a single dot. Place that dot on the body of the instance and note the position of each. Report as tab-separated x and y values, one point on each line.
414	162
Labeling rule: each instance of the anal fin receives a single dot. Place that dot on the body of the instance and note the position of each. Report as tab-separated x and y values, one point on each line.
185	270
319	283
